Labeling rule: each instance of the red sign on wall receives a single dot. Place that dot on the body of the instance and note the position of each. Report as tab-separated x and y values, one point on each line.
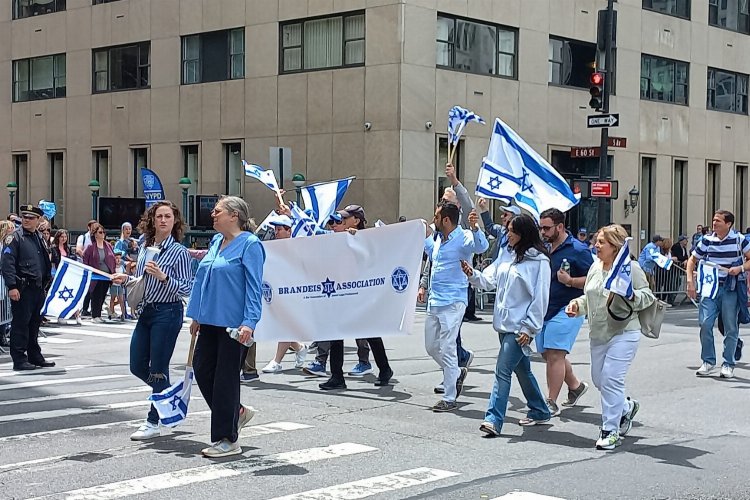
601	189
590	152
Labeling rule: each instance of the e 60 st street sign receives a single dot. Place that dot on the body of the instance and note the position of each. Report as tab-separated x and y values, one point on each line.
600	121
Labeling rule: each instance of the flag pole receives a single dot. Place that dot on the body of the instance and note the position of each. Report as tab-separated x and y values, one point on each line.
192	350
88	268
451	154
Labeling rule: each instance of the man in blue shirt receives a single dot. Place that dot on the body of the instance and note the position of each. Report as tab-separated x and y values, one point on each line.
447	299
646	262
570	260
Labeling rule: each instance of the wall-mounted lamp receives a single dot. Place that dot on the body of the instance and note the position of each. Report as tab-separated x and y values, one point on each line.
428	125
632	201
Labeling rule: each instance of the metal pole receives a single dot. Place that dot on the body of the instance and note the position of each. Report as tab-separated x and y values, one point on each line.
93	204
12	206
299	193
604	145
184	203
281	168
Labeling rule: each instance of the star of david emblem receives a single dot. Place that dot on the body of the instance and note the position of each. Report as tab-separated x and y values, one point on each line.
525	184
494	182
65	294
709	279
399	279
625	270
175	402
328	287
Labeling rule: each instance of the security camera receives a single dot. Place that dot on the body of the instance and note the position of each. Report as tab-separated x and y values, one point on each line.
368	125
428	125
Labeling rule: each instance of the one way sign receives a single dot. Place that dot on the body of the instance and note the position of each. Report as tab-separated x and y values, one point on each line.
600	121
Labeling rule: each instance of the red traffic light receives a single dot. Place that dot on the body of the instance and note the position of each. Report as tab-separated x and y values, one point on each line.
597	79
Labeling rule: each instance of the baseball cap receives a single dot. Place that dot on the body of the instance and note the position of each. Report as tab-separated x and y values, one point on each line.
682	238
656	237
335	216
353	211
583	230
281	220
512	209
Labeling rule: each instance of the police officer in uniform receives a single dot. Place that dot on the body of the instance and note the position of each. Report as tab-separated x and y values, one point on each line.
26	270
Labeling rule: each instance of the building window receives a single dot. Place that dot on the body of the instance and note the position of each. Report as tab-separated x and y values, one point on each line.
214	56
39	78
20	176
28	8
442	159
320	43
97	2
56	194
234	174
100	170
727	91
122	68
571	62
476	47
648	200
679	8
664	80
713	183
191	166
679	200
740	198
140	159
733	15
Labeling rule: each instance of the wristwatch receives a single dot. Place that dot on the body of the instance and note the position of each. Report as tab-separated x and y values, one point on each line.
165	280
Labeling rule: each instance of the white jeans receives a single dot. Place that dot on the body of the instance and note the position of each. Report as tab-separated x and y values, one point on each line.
440	333
609	366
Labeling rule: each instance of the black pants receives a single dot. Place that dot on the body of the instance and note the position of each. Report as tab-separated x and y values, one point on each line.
324	348
98	295
337	356
24	329
471	307
86	302
216	364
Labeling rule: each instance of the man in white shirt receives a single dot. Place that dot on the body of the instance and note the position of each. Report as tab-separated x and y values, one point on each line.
82	243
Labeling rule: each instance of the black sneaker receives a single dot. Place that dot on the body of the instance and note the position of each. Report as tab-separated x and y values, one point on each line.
460	381
333	384
443	406
738	349
384	378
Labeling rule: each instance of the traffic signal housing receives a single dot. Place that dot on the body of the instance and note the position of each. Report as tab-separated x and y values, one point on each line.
597	91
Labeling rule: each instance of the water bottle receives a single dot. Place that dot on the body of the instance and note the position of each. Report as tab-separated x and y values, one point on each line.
527	350
235	334
565	266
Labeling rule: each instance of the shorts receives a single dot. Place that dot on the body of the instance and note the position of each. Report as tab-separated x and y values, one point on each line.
115	290
560	333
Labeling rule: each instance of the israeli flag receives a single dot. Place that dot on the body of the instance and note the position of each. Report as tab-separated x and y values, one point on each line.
324	198
526	176
68	290
49	209
303	225
662	260
708	279
458	117
267	177
172	403
620	279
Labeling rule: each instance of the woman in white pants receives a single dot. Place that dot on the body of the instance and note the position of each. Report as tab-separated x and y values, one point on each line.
613	343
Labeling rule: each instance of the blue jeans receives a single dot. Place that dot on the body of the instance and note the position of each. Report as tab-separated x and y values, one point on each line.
727	305
512	359
152	345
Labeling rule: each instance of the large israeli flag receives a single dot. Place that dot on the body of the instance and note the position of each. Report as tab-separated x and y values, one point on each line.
662	260
458	117
708	279
257	172
172	403
324	198
620	279
68	289
303	225
526	176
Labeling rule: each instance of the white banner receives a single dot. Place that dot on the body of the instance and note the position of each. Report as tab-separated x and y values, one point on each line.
342	286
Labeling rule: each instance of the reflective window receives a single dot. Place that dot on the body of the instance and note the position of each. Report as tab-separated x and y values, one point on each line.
680	8
727	91
730	14
664	80
39	78
213	56
571	62
320	43
29	8
475	47
125	67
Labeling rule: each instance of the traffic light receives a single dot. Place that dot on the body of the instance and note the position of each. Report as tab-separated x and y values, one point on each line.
596	90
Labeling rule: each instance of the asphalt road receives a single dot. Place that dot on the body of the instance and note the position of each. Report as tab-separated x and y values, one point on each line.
64	431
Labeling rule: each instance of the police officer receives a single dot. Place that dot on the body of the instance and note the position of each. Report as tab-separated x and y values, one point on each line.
26	270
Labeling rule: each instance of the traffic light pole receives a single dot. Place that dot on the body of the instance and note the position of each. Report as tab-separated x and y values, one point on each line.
607	70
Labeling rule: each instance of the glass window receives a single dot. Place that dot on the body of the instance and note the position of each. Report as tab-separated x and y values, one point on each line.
330	42
571	62
237	53
679	8
664	80
122	68
733	15
28	8
727	91
191	59
713	191
679	200
213	56
39	78
475	47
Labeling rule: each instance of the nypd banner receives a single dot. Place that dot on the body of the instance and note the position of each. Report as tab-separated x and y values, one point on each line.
152	188
367	282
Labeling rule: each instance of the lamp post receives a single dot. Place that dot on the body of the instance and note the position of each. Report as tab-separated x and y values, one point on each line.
185	184
12	188
94	187
632	201
298	180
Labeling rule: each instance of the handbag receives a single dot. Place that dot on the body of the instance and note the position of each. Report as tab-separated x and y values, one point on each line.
650	318
135	289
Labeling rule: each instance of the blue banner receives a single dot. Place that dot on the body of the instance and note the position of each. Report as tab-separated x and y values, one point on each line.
152	188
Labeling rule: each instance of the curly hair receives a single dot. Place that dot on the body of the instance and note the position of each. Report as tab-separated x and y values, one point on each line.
147	226
6	228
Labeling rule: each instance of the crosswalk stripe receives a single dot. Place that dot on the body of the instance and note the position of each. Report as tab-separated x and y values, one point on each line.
42	371
87	333
525	495
55	340
39	383
374	485
69	412
184	477
76	395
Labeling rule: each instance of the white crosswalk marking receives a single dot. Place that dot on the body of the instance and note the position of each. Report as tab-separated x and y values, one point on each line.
525	495
67	412
76	395
373	485
55	340
86	333
40	383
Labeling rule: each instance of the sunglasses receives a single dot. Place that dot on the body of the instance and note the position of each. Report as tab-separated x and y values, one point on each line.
546	228
100	232
338	222
30	217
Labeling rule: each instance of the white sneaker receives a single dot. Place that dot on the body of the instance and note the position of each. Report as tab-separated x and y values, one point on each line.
608	440
145	432
97	320
272	367
727	372
78	321
222	448
62	321
245	417
705	370
300	356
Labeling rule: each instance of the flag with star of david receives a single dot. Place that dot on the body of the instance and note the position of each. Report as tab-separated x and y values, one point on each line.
68	290
620	279
458	117
708	279
172	402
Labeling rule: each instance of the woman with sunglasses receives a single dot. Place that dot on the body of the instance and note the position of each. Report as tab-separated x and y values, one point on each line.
99	255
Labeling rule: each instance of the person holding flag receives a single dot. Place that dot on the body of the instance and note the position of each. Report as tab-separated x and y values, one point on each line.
615	290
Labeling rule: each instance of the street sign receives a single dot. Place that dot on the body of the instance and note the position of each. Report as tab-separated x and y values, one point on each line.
585	152
604	189
600	121
617	142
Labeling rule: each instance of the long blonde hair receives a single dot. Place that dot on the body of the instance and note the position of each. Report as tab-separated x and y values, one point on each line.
615	235
6	228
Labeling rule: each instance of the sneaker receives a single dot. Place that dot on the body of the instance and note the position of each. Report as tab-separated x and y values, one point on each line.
62	321
300	356
626	422
574	396
528	422
97	320
460	381
222	448
489	429
443	406
333	384
468	360
247	378
247	414
315	368
78	321
86	314
705	370
384	378
608	440
439	389
272	367
361	369
738	350
727	372
145	432
312	348
554	410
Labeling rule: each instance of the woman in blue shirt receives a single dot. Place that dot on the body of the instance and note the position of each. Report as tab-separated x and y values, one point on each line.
226	294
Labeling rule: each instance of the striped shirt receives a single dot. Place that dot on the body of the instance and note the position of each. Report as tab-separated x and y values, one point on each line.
174	261
725	253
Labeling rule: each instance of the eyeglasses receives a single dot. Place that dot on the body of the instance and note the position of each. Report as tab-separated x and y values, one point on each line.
338	222
100	232
30	217
546	228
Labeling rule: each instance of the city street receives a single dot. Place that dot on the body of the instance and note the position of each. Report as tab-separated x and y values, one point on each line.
64	431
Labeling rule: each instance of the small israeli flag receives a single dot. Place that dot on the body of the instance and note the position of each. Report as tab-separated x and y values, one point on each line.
662	260
68	290
708	279
620	279
267	177
172	403
303	225
458	117
324	198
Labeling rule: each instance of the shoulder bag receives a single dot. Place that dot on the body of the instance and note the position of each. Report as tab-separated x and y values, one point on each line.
650	318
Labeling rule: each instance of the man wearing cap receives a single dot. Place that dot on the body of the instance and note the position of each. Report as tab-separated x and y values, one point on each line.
498	231
583	235
645	260
26	269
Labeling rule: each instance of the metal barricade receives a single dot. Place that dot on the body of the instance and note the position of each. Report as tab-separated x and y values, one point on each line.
670	285
5	315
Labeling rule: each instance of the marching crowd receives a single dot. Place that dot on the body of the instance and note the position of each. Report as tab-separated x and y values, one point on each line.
546	281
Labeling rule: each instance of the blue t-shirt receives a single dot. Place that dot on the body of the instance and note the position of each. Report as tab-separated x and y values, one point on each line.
580	259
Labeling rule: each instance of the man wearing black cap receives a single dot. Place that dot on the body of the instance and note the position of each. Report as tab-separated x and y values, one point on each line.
26	270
